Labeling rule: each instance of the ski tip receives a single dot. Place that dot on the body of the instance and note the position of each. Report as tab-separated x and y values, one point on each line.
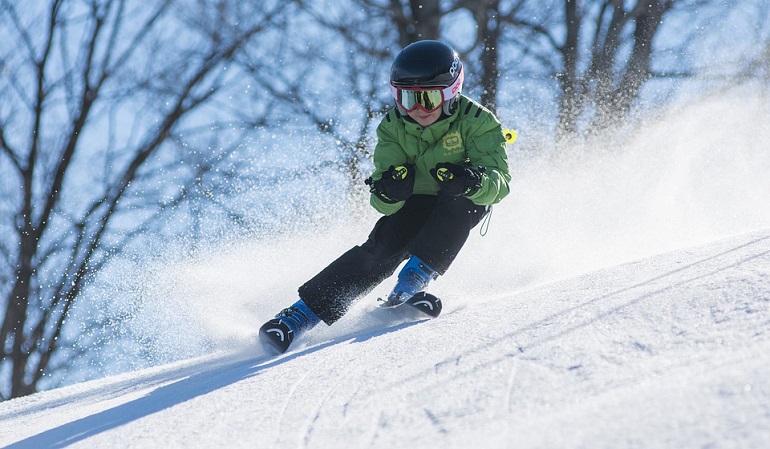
426	303
275	337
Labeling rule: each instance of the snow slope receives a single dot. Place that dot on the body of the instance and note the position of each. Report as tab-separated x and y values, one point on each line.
670	351
550	337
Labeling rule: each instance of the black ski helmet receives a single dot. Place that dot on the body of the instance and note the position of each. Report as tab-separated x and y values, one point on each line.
428	64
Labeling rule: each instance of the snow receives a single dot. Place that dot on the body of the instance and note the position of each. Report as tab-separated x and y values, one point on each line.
620	300
666	351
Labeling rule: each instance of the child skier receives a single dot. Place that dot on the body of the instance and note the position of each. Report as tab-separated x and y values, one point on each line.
440	163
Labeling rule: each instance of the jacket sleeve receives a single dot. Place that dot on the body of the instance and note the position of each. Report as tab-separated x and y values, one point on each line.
387	152
486	148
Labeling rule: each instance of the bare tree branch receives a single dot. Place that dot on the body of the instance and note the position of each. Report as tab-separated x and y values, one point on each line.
52	268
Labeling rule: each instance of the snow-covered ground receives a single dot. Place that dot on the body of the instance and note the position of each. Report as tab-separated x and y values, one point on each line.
621	299
670	351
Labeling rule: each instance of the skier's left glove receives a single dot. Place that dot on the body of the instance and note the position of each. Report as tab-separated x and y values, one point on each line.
395	185
457	180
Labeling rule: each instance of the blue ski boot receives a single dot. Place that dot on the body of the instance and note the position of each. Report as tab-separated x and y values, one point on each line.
277	334
412	279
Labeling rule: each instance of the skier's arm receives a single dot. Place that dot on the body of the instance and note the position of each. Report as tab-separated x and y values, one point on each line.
387	153
486	148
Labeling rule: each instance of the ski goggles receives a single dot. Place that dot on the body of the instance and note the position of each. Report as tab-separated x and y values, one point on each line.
429	99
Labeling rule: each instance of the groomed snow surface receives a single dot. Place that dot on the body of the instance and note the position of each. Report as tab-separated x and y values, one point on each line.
671	351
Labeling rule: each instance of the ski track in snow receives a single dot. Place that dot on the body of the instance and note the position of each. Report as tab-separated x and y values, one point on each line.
667	351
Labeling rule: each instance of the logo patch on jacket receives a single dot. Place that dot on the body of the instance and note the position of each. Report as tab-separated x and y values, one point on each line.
452	143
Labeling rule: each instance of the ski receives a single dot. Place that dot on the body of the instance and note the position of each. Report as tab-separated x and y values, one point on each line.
424	302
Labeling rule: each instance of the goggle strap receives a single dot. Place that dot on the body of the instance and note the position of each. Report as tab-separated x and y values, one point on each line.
448	92
452	91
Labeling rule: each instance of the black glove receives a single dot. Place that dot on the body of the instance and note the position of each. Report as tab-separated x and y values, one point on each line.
395	185
457	180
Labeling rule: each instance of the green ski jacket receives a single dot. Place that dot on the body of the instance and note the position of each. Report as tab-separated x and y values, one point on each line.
471	136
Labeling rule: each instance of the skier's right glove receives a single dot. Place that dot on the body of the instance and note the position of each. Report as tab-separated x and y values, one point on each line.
395	185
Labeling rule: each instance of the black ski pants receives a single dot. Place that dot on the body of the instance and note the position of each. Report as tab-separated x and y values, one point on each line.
433	228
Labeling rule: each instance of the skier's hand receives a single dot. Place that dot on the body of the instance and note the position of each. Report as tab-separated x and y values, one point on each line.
457	180
395	185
